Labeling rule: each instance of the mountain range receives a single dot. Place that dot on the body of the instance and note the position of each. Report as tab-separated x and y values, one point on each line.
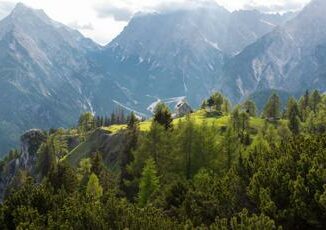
50	73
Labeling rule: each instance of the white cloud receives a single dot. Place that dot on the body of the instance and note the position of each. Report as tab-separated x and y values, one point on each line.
118	13
102	20
276	5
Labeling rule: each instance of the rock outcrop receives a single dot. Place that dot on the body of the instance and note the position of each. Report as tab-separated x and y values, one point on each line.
30	142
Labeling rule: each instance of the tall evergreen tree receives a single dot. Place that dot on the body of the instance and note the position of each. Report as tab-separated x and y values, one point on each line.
186	141
304	106
86	122
163	116
97	164
94	190
315	99
149	182
272	108
229	148
127	158
293	116
48	153
132	121
235	119
240	122
218	100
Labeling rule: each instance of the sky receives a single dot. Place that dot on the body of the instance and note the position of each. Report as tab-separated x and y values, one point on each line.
102	20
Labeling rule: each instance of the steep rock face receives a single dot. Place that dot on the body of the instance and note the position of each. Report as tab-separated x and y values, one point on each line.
246	26
30	142
291	58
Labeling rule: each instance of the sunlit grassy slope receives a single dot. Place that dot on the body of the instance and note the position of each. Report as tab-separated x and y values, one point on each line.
199	117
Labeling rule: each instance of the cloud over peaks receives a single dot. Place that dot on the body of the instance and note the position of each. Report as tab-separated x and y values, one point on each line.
118	13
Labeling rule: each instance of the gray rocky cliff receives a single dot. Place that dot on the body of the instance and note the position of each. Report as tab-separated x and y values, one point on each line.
30	142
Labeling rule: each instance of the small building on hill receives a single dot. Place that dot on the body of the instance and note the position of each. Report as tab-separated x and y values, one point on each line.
182	109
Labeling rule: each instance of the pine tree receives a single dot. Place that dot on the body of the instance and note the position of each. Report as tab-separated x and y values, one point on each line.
304	106
293	116
127	158
250	108
63	177
235	120
218	101
163	116
149	182
187	141
244	125
97	164
229	146
94	190
240	122
48	152
272	108
132	121
315	99
86	122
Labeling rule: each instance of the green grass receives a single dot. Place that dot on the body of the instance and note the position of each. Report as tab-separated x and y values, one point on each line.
115	128
199	117
143	126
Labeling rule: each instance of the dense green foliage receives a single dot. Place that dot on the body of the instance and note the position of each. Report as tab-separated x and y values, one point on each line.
162	116
189	175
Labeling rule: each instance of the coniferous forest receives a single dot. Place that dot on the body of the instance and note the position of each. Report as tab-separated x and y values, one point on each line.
221	167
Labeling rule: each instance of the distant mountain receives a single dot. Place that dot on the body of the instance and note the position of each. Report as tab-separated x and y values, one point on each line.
182	52
291	58
43	67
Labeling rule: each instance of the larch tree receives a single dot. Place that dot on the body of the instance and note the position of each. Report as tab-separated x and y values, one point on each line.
94	190
149	182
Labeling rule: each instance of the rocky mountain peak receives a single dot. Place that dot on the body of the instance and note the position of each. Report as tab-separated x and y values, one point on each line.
23	13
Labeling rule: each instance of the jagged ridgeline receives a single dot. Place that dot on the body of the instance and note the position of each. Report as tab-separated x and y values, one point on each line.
219	167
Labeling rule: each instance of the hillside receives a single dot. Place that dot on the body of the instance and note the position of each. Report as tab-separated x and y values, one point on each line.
246	170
